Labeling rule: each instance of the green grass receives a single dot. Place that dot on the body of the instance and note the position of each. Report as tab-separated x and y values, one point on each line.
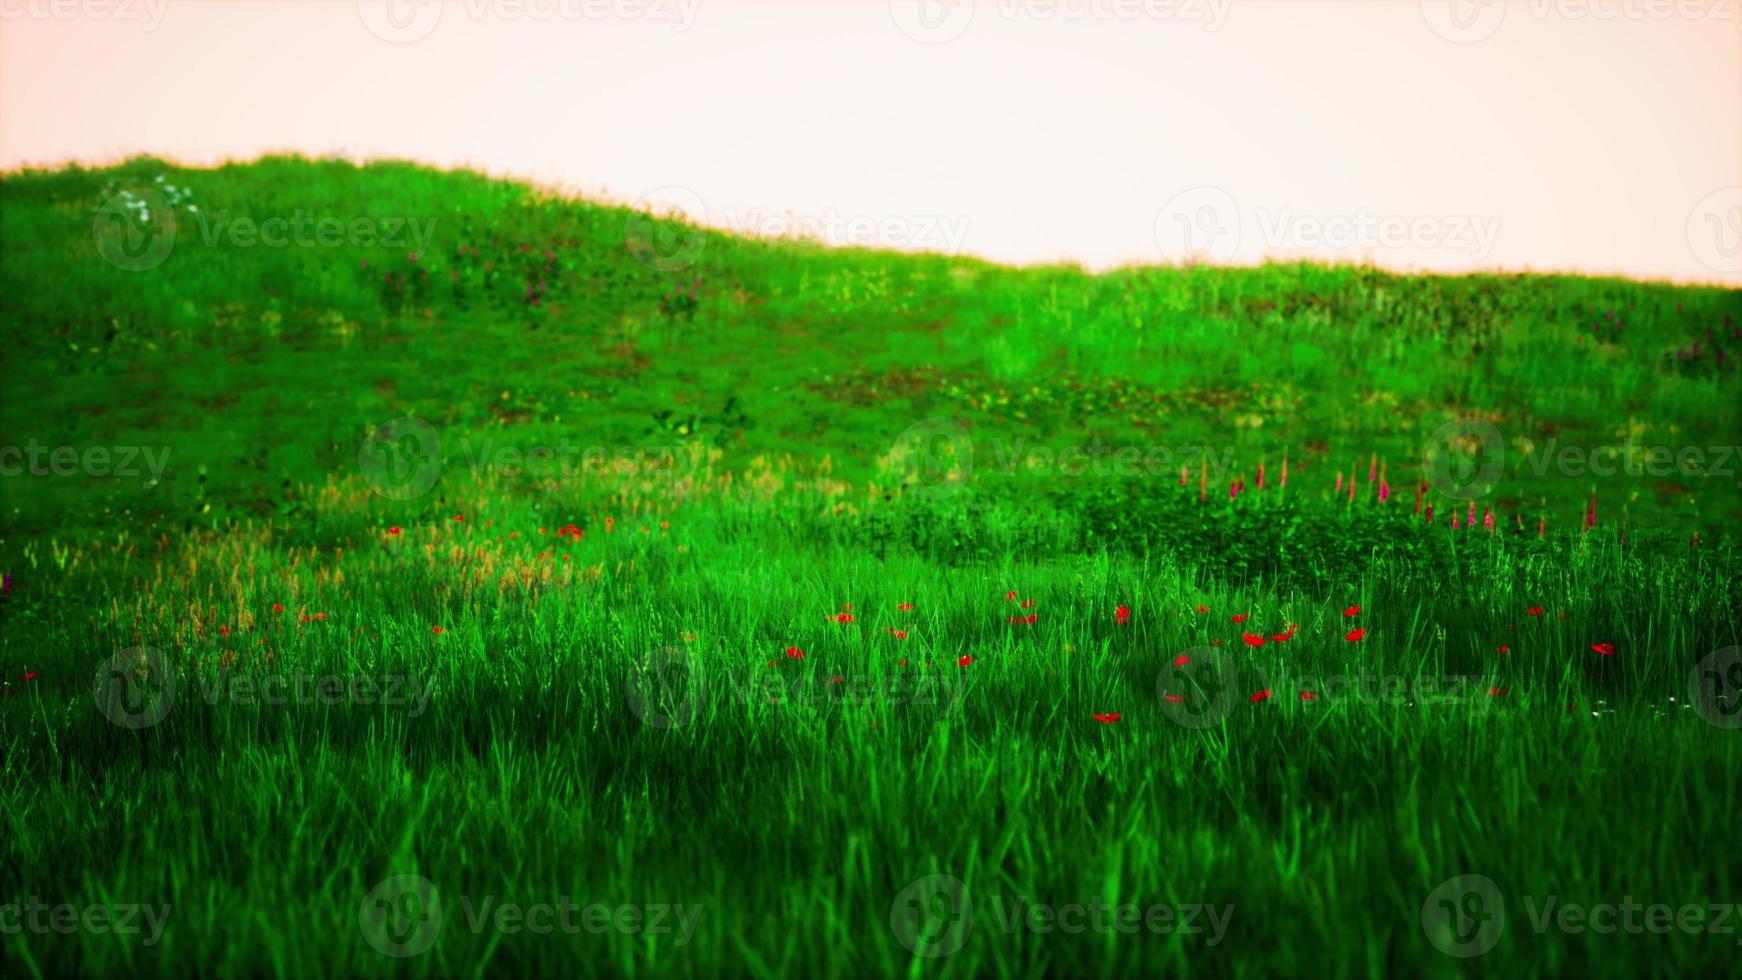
613	717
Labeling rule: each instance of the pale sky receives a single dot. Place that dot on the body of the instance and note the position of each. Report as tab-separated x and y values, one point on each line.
1602	136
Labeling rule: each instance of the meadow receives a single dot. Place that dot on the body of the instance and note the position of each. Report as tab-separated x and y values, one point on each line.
414	573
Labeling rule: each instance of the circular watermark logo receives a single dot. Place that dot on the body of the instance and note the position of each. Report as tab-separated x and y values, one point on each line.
1200	687
1464	916
659	232
667	690
400	21
401	458
1715	230
1464	21
932	916
135	688
1464	458
135	229
402	916
1715	687
1199	225
935	457
932	21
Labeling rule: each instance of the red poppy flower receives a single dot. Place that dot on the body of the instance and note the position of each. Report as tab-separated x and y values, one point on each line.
1534	610
278	607
1172	698
32	676
437	630
1122	614
1009	595
902	662
1356	635
459	517
223	631
1263	695
1504	648
1203	609
1028	603
898	634
1308	696
1241	617
1352	611
1495	692
1181	660
1606	649
905	607
964	661
843	617
1107	719
393	531
1285	635
794	653
838	679
1252	639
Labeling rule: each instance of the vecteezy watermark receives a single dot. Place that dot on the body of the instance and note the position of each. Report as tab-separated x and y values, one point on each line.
147	13
665	228
1715	230
135	688
1200	687
138	687
402	459
135	227
1465	916
942	691
1464	458
33	915
561	459
1207	225
404	915
1394	690
1715	688
934	917
1472	21
662	230
410	21
667	688
938	21
1633	459
36	459
1095	459
933	458
302	229
303	688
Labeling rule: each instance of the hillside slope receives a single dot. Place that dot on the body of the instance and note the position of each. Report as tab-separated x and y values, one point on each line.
256	360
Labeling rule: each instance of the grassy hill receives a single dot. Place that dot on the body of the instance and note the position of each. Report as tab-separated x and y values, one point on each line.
856	601
507	317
